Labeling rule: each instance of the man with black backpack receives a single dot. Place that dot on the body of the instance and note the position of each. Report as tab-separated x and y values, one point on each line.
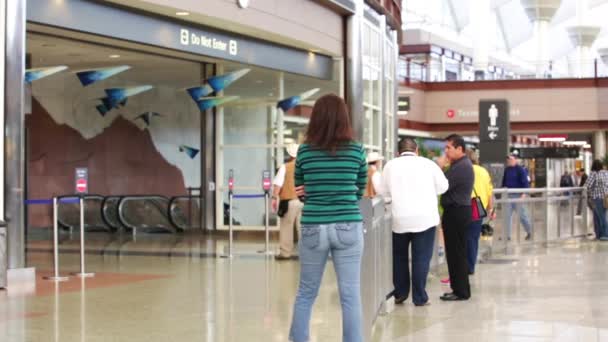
516	177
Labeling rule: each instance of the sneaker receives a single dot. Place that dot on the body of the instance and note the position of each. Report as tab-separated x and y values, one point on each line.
528	237
445	281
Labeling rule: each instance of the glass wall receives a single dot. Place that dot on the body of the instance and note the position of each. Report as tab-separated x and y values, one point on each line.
379	77
252	133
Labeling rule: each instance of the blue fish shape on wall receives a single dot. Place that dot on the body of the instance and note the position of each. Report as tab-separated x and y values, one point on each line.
200	91
147	117
189	151
210	102
291	102
221	82
39	73
119	96
88	77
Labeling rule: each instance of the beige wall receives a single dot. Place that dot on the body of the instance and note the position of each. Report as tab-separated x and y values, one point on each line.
298	23
565	104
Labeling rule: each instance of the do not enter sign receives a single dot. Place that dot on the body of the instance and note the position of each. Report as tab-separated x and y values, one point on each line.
82	180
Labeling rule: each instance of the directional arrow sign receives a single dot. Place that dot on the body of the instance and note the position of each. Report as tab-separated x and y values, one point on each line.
492	135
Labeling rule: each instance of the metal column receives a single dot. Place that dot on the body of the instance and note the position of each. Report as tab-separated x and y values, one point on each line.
354	69
13	130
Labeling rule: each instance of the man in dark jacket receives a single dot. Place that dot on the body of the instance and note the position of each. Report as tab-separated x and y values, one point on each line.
516	177
457	216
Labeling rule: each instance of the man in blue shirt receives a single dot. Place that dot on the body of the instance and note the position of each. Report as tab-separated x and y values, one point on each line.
516	177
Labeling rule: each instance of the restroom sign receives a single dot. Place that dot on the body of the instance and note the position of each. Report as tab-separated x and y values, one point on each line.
82	180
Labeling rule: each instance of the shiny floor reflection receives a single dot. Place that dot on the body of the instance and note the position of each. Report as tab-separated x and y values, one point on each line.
557	292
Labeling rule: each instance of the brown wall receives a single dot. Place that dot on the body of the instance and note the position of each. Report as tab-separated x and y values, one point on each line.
122	160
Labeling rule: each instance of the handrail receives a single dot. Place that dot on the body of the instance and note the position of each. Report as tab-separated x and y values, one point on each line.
147	198
104	213
89	197
173	205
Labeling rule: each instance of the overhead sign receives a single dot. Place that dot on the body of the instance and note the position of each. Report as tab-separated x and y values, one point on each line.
100	18
494	130
82	180
494	120
546	152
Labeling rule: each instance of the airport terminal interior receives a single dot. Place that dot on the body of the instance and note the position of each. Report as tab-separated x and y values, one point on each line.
144	141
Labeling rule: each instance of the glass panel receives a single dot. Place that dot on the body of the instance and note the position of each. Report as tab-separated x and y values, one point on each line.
368	92
377	86
368	127
377	128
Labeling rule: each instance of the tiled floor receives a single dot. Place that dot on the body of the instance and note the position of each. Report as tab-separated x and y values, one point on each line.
540	293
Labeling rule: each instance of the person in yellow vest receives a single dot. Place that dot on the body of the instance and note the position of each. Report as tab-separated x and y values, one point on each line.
286	204
482	188
374	178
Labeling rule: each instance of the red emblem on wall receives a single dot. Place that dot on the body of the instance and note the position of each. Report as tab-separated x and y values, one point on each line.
451	113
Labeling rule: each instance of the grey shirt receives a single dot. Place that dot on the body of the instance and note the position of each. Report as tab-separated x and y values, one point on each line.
461	178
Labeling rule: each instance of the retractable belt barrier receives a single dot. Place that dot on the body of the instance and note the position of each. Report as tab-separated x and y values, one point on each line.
266	185
54	202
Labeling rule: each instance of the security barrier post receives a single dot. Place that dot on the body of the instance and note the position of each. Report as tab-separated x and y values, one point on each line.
55	276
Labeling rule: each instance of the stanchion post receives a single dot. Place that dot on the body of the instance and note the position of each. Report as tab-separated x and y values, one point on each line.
230	198
266	186
55	276
82	272
267	223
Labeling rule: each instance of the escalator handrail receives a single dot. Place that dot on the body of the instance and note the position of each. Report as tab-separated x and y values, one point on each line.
103	211
172	202
86	197
126	199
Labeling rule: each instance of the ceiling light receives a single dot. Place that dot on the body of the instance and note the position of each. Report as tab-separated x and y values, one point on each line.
182	14
587	146
114	56
574	143
552	139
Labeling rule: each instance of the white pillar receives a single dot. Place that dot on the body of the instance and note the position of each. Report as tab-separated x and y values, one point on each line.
540	13
599	145
583	37
481	13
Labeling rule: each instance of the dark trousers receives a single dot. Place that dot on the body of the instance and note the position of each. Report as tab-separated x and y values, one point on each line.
422	252
456	222
473	235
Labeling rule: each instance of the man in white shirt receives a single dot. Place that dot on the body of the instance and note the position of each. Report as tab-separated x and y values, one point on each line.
413	184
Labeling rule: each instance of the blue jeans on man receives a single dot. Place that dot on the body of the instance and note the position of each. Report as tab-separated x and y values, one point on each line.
600	224
524	218
422	252
473	235
345	243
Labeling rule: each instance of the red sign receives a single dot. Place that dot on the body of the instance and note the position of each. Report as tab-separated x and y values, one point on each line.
81	186
451	113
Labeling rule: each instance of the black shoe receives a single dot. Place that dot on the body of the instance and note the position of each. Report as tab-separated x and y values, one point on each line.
280	257
471	273
528	237
451	297
400	300
427	303
295	257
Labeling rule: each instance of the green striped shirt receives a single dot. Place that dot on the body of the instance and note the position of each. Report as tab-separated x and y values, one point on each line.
334	184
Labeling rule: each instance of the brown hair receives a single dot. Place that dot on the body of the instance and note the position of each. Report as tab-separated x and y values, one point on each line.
329	125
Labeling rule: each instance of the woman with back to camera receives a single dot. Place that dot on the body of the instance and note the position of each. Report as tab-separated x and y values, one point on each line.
597	190
333	170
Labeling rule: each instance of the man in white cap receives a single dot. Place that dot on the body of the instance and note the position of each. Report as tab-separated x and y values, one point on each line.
286	204
374	161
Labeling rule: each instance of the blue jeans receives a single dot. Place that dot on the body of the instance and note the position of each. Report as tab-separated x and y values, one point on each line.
599	218
422	252
523	215
473	235
345	242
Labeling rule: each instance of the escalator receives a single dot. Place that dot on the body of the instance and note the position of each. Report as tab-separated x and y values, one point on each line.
69	214
149	214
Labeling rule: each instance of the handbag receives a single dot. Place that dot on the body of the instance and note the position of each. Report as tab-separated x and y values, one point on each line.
283	208
478	211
